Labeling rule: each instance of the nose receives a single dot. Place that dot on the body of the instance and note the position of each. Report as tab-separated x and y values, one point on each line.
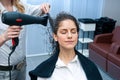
69	35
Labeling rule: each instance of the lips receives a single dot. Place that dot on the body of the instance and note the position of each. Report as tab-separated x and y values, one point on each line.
69	41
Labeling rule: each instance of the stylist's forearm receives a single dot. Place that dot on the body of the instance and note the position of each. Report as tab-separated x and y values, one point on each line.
2	40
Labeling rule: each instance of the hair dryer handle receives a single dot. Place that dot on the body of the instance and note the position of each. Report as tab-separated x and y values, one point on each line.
15	42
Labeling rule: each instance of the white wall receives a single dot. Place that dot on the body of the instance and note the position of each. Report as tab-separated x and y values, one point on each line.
86	8
23	1
111	9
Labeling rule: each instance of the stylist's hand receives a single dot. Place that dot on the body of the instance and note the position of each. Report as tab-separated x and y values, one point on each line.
11	32
45	8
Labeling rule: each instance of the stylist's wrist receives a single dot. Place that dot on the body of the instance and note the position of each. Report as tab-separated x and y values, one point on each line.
3	38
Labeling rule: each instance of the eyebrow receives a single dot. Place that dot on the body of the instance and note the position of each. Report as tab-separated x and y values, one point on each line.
70	29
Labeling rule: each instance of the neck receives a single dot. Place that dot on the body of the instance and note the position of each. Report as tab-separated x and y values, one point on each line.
67	55
7	4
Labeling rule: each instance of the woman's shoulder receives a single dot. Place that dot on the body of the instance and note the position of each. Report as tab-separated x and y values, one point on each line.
45	68
89	67
86	62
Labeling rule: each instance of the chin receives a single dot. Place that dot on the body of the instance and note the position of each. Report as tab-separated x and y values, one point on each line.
69	47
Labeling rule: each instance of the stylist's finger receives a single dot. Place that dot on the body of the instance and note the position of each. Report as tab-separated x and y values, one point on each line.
14	31
13	27
45	7
13	34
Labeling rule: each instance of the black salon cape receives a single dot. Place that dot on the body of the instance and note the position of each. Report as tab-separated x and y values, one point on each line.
46	68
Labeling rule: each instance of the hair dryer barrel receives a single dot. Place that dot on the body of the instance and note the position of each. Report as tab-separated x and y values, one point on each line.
16	18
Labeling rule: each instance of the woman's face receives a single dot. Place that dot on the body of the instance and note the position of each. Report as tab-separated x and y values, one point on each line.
67	34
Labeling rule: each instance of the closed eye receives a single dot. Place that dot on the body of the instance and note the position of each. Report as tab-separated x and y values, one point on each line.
63	32
74	31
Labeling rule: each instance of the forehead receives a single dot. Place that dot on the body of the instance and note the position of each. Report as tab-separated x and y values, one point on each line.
67	24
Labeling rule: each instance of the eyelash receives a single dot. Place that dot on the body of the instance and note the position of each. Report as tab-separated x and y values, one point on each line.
71	32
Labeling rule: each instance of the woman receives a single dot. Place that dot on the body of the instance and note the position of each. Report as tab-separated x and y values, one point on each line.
66	63
16	70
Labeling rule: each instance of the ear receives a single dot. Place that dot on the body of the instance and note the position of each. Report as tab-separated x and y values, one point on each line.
55	37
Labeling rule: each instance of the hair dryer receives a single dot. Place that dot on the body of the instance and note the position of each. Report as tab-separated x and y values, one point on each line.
19	19
16	18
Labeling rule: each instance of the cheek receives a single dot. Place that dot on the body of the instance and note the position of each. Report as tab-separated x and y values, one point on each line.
61	38
75	37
